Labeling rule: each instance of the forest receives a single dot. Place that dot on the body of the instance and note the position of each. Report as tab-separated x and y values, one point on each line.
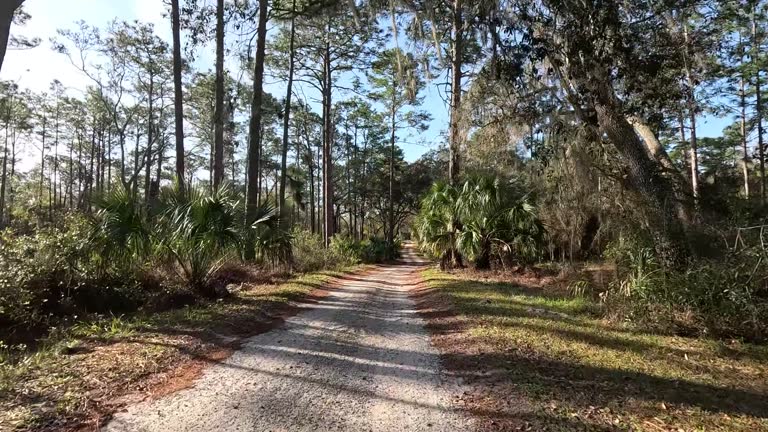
599	172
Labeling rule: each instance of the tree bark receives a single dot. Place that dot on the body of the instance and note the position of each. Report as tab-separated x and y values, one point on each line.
454	162
310	154
108	180
252	192
692	105
644	176
218	147
42	163
355	184
758	105
11	193
150	138
319	189
4	179
135	177
88	191
54	179
328	227
109	161
178	93
680	182
71	179
392	138
287	111
744	149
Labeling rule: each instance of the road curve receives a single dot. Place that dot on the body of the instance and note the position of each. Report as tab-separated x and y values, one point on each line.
359	360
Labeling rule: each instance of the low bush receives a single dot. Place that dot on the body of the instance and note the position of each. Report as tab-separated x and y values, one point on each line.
309	253
56	272
723	297
345	250
375	250
369	251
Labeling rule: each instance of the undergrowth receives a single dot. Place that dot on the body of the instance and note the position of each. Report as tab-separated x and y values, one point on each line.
556	355
73	372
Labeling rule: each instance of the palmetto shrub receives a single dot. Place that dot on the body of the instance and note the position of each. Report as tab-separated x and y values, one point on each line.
724	297
194	231
121	233
271	238
198	231
483	218
438	225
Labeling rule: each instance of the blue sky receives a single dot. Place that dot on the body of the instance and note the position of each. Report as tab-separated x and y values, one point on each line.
36	68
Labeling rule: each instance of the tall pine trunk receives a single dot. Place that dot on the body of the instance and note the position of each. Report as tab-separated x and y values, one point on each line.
11	194
392	138
91	167
691	105
150	139
108	180
178	93
744	149
454	161
71	179
42	165
329	225
252	192
4	179
758	103
218	146
319	190
287	113
54	179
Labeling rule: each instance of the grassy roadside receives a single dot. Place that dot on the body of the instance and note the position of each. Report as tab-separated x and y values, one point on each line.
546	363
82	373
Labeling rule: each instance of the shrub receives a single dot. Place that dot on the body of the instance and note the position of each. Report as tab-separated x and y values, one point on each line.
370	251
55	272
724	297
121	232
375	250
309	253
482	219
346	250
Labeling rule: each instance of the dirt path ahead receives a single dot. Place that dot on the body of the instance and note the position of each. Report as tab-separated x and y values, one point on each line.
359	360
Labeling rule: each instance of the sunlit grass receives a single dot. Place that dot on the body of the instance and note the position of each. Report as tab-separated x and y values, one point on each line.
560	352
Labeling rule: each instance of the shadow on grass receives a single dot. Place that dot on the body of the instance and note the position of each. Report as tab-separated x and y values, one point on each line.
565	375
583	386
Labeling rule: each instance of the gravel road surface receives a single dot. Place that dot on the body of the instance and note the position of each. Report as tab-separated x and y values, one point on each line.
359	360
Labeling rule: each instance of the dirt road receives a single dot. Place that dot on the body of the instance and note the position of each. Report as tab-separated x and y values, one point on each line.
359	360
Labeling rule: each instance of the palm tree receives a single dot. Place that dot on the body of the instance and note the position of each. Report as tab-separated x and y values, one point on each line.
121	231
485	217
199	231
498	219
438	225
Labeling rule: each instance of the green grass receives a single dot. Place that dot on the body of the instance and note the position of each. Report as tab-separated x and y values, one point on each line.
77	371
581	372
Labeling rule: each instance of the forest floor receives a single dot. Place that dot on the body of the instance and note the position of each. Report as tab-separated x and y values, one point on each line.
80	375
536	359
